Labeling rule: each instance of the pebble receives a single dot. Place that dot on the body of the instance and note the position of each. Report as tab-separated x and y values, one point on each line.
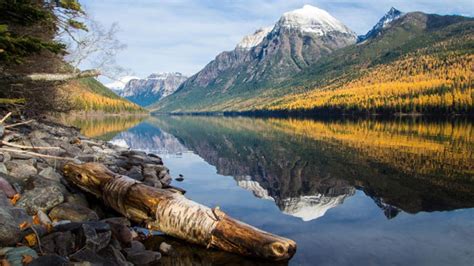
166	249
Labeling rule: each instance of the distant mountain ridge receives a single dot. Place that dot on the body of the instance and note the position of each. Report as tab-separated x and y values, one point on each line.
153	88
310	62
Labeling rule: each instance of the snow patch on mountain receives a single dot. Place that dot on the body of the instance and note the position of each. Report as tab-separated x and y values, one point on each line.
310	19
118	85
254	39
258	191
312	207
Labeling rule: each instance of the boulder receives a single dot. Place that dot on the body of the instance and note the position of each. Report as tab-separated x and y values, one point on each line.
72	212
41	198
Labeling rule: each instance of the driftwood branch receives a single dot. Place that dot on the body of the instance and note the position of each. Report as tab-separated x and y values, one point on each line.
5	117
20	123
177	216
49	77
6	143
37	154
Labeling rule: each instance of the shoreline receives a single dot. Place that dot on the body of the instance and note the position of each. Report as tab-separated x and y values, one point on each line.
48	220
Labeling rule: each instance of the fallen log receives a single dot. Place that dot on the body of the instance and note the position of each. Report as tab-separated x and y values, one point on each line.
49	77
173	214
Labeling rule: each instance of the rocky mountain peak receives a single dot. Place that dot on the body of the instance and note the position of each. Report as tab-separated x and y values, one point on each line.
254	39
391	15
310	19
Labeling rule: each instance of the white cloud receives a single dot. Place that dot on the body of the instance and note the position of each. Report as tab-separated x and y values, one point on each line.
184	35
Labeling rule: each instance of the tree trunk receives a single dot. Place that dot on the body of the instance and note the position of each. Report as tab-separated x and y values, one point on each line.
48	77
173	214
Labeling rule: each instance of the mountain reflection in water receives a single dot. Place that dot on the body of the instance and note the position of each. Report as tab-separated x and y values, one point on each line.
349	192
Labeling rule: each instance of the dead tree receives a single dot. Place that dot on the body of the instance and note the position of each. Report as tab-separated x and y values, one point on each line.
173	214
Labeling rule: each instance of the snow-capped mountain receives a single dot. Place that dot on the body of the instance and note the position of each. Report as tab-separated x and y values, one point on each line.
312	207
391	15
311	19
264	59
153	88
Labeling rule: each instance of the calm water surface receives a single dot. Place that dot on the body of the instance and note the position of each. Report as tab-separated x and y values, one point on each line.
348	192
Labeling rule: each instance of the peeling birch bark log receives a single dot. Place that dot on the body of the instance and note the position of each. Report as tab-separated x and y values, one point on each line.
48	77
173	214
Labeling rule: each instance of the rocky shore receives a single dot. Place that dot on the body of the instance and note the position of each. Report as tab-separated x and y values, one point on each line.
46	221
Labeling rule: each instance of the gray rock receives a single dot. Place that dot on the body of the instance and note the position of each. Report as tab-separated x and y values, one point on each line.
61	243
20	215
41	198
3	168
77	199
72	212
135	247
50	173
135	172
93	239
114	256
120	230
86	148
9	230
6	188
5	157
21	169
38	134
70	149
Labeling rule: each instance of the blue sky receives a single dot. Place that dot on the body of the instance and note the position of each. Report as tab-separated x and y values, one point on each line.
184	35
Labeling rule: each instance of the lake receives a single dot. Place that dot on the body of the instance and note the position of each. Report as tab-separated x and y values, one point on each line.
349	192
